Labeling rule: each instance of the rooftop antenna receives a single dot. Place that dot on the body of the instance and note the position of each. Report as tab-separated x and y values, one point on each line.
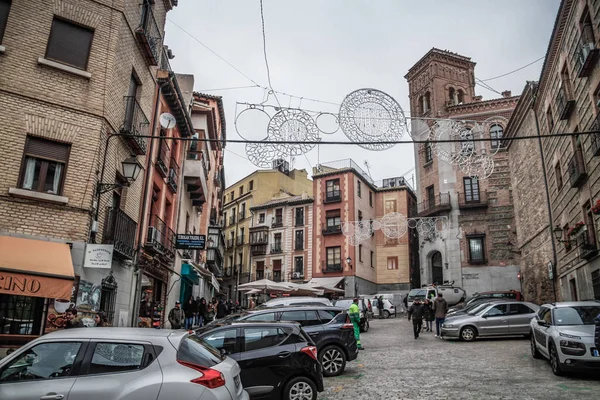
368	167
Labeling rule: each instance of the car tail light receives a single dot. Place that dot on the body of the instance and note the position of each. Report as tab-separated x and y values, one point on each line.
311	351
210	378
347	323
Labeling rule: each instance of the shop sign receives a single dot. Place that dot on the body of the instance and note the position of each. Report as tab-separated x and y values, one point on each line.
215	284
190	242
98	256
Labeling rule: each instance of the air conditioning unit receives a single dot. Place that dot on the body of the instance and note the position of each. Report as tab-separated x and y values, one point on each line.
154	235
297	275
587	48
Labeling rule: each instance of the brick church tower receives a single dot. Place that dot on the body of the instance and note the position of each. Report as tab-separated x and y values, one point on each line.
477	249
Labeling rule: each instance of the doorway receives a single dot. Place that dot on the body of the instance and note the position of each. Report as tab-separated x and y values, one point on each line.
437	270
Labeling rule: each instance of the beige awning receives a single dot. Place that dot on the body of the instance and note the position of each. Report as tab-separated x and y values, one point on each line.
35	268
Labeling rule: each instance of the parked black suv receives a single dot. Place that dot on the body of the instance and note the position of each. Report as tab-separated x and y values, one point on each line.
328	327
278	360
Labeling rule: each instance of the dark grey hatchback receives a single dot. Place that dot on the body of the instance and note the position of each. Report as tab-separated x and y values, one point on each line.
329	327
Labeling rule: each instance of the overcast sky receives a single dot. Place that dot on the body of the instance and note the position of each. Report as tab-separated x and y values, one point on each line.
325	49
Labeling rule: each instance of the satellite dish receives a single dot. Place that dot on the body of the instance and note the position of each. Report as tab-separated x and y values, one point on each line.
167	120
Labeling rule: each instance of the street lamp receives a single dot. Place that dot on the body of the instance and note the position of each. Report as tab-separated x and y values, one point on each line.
210	242
558	235
349	261
130	169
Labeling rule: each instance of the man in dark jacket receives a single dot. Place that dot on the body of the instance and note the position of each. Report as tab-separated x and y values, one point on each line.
72	321
221	309
177	316
380	306
415	312
440	307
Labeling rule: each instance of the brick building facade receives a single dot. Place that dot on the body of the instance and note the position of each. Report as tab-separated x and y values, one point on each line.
73	73
477	250
566	100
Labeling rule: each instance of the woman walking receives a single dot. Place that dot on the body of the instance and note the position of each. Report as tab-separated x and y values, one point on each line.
100	319
202	312
189	308
428	315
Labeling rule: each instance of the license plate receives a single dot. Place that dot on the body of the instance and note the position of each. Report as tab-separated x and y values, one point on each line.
237	381
595	353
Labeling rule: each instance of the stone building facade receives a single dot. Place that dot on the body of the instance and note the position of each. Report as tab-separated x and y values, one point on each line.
345	194
72	74
280	238
566	100
476	249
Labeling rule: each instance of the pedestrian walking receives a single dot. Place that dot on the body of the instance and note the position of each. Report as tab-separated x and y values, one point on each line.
221	309
177	316
72	321
101	320
202	311
354	314
252	303
415	312
405	302
428	315
189	308
440	307
380	306
197	312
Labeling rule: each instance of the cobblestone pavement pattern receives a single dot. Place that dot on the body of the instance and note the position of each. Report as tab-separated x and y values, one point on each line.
396	366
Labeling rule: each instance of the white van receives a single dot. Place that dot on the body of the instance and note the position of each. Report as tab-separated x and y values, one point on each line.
452	294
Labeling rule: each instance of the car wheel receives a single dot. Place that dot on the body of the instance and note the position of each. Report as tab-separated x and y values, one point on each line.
333	360
300	388
365	327
386	314
555	361
468	334
535	353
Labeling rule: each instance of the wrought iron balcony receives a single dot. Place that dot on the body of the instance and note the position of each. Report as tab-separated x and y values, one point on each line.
173	178
595	137
576	169
332	267
276	248
241	215
260	274
162	159
240	240
332	197
586	242
135	124
586	57
258	249
473	200
298	244
119	230
160	238
229	243
232	220
277	276
149	35
329	229
437	204
277	222
564	104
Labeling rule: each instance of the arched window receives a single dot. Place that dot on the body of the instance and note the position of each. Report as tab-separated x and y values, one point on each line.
426	102
452	96
460	98
496	136
437	270
421	105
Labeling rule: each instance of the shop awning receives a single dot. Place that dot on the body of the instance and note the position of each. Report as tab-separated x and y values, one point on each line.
329	285
189	273
35	268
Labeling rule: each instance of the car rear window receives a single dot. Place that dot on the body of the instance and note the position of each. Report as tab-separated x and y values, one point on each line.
196	350
326	315
263	337
262	317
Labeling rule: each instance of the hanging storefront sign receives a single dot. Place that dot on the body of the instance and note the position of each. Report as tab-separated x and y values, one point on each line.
190	242
98	256
215	284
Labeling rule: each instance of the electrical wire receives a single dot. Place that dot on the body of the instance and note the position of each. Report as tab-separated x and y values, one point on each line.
486	86
229	88
512	72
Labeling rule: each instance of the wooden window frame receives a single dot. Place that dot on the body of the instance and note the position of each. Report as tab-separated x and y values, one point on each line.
44	168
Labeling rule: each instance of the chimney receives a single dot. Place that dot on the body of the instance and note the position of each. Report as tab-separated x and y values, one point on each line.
477	98
506	93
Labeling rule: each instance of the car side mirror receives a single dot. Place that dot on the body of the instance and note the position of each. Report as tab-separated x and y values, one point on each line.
541	322
484	316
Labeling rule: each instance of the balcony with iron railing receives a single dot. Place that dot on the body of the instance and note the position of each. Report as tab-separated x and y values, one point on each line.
299	244
277	276
435	205
331	267
240	240
119	230
258	249
214	220
260	274
241	215
595	137
162	159
276	248
160	238
331	229
564	104
277	222
332	197
135	124
149	35
474	199
586	242
586	56
576	169
229	243
173	178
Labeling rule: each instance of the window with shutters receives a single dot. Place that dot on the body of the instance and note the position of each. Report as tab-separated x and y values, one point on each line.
4	10
44	165
69	44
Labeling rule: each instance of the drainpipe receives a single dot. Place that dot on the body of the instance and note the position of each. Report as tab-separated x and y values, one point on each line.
548	205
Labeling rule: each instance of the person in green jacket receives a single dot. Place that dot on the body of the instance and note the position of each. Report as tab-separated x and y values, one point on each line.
354	313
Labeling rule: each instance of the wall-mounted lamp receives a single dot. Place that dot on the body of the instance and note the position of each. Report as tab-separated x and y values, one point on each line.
349	261
558	235
130	169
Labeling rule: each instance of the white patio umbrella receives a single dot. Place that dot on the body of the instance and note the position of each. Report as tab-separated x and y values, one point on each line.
267	285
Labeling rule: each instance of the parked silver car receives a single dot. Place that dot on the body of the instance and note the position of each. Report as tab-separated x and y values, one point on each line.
499	318
119	363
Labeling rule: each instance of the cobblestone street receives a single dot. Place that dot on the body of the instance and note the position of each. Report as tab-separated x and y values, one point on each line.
396	366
